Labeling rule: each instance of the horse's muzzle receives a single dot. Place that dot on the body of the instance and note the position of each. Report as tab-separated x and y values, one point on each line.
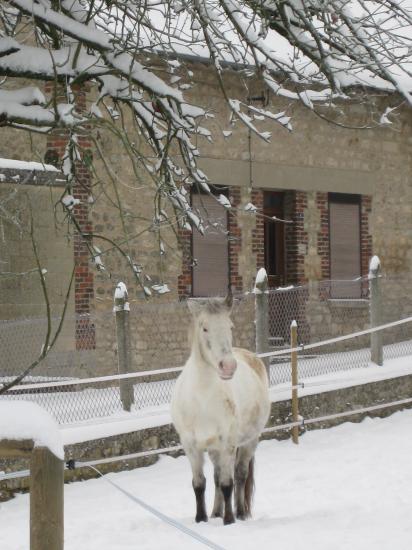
227	368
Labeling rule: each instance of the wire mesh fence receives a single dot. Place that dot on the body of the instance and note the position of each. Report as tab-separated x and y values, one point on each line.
159	340
76	402
329	359
318	314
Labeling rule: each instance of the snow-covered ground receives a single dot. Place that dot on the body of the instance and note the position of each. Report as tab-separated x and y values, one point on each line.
349	487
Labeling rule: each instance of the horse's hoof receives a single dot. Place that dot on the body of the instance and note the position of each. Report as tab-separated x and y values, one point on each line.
228	520
216	515
242	517
202	517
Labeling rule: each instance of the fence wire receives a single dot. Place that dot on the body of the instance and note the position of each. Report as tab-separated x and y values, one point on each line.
159	340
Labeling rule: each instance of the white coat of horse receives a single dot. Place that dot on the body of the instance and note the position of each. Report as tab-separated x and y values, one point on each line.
220	405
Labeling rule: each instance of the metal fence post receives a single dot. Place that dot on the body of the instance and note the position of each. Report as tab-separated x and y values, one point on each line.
294	365
375	310
122	311
262	315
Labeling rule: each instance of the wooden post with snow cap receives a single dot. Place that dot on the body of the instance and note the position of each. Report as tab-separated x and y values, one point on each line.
122	311
294	366
28	431
262	315
375	310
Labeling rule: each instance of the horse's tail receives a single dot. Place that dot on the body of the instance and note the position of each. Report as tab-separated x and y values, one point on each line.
250	488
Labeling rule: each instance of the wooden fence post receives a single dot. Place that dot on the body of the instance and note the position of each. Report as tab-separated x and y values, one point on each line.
122	311
294	365
262	315
46	492
46	500
375	310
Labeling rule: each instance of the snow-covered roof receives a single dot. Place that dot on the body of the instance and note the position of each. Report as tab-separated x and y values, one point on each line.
26	165
29	173
21	420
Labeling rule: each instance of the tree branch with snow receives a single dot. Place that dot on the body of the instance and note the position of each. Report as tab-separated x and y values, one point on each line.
132	54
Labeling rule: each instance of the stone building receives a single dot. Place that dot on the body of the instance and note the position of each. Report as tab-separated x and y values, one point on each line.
338	195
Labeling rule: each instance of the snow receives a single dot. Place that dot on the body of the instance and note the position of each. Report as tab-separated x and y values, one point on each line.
250	207
25	96
261	277
70	202
161	288
23	165
224	201
22	420
374	266
346	488
121	292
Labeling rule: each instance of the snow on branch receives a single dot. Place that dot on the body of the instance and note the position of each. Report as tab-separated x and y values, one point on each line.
133	53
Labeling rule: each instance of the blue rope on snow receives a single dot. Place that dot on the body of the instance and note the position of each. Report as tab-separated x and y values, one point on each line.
160	515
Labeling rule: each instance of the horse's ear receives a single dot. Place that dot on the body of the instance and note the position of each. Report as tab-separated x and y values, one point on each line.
194	306
229	299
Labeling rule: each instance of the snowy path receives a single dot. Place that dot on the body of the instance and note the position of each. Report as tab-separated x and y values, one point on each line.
349	487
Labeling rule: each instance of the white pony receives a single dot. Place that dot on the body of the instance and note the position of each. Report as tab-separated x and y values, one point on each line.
220	405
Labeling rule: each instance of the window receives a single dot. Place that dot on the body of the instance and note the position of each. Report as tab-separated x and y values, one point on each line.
274	238
345	246
210	275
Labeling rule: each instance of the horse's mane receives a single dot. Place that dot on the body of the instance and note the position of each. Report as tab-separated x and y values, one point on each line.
210	305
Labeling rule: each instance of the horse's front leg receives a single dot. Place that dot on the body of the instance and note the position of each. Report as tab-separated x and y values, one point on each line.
217	511
224	462
196	459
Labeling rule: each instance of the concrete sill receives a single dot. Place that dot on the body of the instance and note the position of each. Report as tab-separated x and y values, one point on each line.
349	302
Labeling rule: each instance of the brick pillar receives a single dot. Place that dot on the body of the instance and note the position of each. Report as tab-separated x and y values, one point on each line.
258	234
366	240
235	241
323	234
366	237
84	281
296	238
184	280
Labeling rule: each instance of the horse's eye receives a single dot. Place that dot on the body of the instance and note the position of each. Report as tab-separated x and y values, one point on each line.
205	329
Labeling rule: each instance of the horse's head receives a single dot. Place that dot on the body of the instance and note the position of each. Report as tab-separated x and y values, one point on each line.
213	333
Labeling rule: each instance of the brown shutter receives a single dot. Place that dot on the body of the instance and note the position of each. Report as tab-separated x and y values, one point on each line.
211	273
344	248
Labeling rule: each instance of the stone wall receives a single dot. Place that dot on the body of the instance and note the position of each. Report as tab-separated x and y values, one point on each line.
314	159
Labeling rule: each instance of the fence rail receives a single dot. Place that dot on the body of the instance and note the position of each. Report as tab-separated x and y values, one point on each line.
79	399
76	394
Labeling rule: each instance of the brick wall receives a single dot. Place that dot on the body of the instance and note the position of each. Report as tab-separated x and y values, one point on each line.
84	280
323	234
296	238
258	233
235	242
366	237
184	281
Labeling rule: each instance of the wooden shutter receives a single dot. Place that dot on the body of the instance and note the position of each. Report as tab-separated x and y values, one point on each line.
211	273
344	220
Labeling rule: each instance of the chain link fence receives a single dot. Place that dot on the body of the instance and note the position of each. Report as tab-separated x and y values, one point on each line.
159	341
318	315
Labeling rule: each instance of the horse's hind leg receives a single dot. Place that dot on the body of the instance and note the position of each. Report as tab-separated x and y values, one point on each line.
199	482
244	482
